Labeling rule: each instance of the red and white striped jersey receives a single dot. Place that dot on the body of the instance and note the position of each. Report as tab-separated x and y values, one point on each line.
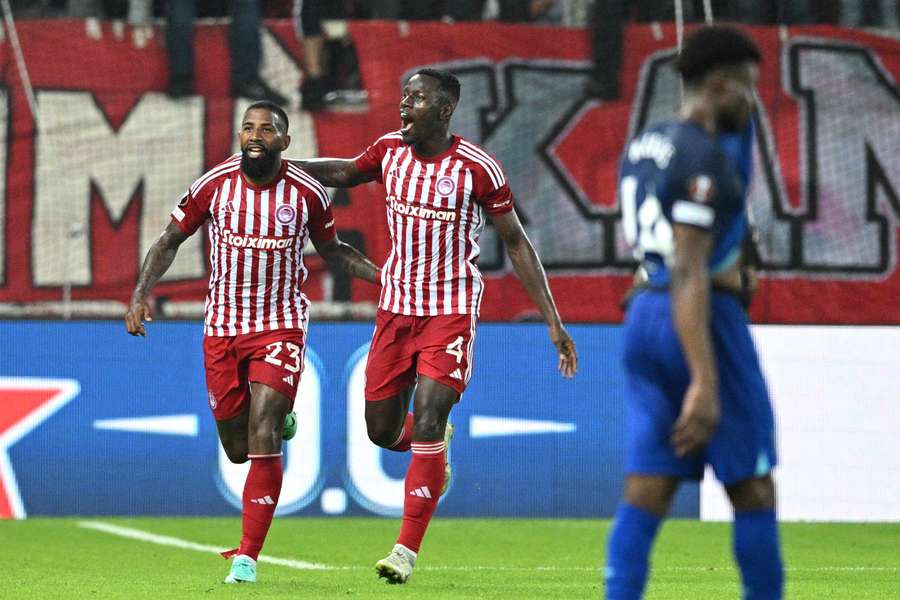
435	214
257	235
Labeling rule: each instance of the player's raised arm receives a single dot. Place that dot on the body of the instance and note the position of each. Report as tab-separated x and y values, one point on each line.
531	273
335	172
158	260
690	312
341	256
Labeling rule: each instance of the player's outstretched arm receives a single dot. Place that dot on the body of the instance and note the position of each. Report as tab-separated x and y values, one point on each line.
334	172
158	260
341	256
690	291
531	273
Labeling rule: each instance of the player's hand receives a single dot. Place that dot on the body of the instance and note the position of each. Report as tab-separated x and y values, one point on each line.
698	420
138	312
568	356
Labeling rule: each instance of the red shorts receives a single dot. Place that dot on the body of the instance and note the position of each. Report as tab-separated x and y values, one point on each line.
273	358
403	346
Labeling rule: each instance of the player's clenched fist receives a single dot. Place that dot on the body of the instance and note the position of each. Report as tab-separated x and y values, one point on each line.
138	312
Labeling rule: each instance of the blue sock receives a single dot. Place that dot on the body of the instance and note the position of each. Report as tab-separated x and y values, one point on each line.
758	554
627	556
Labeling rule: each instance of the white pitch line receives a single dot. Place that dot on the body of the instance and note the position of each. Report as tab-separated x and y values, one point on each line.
165	540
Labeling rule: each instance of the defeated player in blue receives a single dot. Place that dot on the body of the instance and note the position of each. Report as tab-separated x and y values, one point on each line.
695	391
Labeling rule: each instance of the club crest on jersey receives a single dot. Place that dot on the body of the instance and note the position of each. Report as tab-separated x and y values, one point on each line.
701	189
285	213
445	186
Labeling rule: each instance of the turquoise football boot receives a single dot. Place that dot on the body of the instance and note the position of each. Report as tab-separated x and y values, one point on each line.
243	570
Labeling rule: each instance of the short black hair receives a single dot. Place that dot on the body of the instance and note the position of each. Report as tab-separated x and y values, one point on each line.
448	84
271	106
714	46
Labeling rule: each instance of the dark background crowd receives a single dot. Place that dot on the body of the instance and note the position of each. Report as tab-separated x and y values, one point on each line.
879	13
329	65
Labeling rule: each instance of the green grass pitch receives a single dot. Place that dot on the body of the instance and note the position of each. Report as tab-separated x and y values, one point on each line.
462	558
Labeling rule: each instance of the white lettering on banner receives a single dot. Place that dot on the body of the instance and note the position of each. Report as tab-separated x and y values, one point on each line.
370	485
77	150
302	455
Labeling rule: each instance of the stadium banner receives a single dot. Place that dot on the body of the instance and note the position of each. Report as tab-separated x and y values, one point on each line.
86	188
95	422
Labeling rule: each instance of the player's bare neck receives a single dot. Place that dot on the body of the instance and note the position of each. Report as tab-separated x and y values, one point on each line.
434	145
695	111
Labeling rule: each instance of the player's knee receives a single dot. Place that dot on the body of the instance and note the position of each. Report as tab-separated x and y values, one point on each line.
382	434
236	453
428	426
652	494
752	494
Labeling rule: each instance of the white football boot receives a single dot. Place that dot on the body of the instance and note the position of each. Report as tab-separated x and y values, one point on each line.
397	566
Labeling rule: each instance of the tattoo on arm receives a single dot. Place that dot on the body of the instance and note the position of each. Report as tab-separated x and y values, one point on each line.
334	172
158	260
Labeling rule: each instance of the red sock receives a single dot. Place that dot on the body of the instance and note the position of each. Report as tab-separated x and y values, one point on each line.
403	442
260	498
423	489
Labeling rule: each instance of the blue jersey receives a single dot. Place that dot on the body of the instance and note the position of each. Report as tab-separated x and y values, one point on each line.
676	172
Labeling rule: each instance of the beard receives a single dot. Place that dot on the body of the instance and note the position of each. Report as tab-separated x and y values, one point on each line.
257	168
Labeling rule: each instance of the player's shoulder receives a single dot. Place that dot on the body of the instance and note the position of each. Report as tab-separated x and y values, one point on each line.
690	137
482	160
223	170
295	175
391	139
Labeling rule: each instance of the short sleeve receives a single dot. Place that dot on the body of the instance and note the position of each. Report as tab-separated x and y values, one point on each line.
192	210
321	225
369	162
696	191
491	188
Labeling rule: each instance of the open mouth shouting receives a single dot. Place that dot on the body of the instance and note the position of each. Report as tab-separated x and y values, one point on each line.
406	124
255	150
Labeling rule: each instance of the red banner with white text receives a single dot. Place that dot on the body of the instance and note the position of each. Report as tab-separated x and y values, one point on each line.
86	188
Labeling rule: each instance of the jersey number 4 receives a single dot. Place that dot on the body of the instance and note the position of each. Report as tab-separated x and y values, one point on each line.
646	228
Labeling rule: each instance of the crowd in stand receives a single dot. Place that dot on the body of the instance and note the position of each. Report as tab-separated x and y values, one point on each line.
605	16
852	13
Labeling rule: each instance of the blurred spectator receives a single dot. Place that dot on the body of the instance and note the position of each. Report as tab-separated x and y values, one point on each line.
308	26
607	32
870	13
245	45
410	10
510	11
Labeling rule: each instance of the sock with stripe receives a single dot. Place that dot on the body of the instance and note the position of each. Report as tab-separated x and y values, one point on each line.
758	554
627	556
260	498
403	442
424	481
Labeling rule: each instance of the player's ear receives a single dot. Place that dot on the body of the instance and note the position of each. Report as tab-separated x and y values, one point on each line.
285	142
447	111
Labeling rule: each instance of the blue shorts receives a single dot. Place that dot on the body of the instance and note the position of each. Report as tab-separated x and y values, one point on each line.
657	377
